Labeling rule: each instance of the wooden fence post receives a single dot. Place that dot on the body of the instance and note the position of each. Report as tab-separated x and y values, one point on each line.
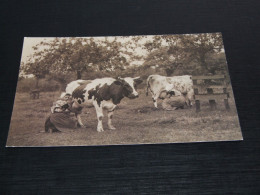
226	104
197	102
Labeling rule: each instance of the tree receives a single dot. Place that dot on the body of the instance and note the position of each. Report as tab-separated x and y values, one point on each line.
200	46
160	58
183	52
217	62
59	57
37	67
165	52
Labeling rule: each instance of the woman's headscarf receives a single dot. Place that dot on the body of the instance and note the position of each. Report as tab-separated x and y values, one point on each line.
58	104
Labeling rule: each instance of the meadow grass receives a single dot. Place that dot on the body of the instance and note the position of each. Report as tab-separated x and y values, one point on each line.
136	122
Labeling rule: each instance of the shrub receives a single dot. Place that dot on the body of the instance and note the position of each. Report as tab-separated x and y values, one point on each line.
48	85
27	84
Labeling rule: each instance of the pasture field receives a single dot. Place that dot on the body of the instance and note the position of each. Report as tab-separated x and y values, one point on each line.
136	122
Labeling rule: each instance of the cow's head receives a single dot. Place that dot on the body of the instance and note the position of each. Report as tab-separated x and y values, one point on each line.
129	86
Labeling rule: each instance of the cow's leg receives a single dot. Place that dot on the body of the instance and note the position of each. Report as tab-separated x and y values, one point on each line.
155	98
187	101
110	114
155	103
190	96
99	111
79	120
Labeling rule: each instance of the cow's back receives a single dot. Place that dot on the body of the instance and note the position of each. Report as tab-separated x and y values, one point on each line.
99	82
183	83
85	91
74	84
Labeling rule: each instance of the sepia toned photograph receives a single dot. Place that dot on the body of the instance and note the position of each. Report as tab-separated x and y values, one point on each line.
121	90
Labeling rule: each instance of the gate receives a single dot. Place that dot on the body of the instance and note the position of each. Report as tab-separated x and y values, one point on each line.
204	89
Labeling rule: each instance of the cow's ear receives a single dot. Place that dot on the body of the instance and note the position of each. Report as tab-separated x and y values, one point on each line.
138	80
118	82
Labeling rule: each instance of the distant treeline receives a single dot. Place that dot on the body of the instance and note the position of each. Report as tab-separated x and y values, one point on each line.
58	61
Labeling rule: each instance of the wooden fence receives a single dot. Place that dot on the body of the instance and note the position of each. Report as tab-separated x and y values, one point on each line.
204	90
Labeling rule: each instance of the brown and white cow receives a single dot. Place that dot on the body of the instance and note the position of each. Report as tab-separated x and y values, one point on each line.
176	85
104	93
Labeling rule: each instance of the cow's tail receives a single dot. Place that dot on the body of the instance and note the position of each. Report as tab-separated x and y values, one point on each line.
147	89
148	85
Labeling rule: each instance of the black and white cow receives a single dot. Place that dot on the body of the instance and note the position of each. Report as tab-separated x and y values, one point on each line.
104	93
179	85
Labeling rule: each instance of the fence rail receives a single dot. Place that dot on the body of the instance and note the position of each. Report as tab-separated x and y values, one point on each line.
208	77
210	95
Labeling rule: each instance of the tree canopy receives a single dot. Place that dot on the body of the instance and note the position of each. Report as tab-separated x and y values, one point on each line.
171	54
186	52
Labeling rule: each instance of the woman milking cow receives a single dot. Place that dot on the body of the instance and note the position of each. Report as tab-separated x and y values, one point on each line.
102	94
63	111
170	101
62	115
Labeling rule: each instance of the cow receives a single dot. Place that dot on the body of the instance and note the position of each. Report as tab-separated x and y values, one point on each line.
104	93
176	85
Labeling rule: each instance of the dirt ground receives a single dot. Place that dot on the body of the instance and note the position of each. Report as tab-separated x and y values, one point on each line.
136	122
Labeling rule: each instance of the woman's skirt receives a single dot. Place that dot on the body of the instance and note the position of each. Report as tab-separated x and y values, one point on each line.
173	103
63	120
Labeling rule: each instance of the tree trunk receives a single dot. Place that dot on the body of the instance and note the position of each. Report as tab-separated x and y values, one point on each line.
78	74
62	86
37	83
204	66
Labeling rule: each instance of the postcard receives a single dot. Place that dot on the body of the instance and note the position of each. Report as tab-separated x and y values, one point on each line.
121	90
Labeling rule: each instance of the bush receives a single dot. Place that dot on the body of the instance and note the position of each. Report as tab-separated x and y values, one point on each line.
48	85
27	84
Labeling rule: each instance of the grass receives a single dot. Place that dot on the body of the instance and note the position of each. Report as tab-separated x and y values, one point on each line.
137	122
